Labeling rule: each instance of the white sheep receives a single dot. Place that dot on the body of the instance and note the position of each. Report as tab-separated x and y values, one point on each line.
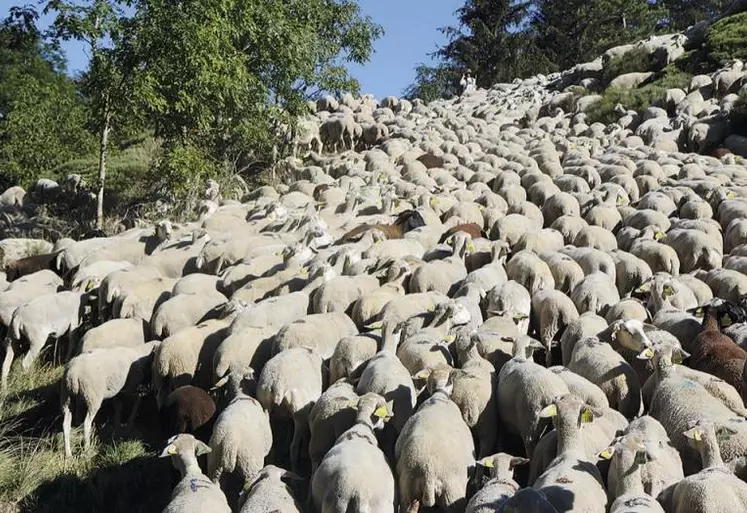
99	375
241	437
434	478
195	492
52	315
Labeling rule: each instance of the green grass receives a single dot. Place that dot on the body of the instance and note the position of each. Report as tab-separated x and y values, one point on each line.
118	473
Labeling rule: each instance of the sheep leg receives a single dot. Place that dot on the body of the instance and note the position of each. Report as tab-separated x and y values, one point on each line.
32	354
67	424
7	362
88	424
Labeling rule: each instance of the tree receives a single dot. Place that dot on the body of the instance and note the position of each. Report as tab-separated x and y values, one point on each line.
219	75
108	79
568	32
489	40
685	13
433	82
42	117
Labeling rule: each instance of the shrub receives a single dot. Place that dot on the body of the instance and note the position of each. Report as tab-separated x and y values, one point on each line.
633	61
603	111
727	39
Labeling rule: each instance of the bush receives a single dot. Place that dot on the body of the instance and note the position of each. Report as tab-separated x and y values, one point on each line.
727	39
603	111
636	60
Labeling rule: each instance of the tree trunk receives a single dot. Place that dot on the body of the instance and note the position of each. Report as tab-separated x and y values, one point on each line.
103	148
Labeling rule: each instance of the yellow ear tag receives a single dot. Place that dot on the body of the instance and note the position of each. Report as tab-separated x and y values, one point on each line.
677	358
726	320
381	412
222	382
549	411
303	271
487	462
696	435
729	195
607	453
470	247
668	291
171	450
659	235
89	286
586	416
353	403
423	374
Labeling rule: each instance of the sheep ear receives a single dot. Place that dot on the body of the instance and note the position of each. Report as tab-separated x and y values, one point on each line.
724	434
679	355
586	415
375	325
695	433
423	374
548	411
535	344
169	450
381	412
486	462
606	454
646	354
201	448
515	462
221	382
726	320
644	288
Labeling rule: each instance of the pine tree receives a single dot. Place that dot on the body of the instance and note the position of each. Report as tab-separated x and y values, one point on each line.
568	32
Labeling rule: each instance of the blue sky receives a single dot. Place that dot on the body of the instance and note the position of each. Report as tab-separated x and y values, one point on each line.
411	33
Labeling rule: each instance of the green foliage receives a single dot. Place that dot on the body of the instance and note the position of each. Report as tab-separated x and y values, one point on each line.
575	31
672	77
488	41
636	60
43	117
181	168
685	13
727	39
433	82
218	74
603	111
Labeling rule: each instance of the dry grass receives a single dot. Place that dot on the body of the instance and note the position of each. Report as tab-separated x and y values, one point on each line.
118	474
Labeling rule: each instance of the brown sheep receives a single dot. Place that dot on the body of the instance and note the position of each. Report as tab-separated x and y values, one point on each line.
720	152
473	229
406	221
188	409
714	352
29	265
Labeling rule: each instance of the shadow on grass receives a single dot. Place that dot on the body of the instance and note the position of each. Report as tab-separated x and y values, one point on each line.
143	484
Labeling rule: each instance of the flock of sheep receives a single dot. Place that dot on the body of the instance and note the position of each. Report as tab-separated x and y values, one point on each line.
479	304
